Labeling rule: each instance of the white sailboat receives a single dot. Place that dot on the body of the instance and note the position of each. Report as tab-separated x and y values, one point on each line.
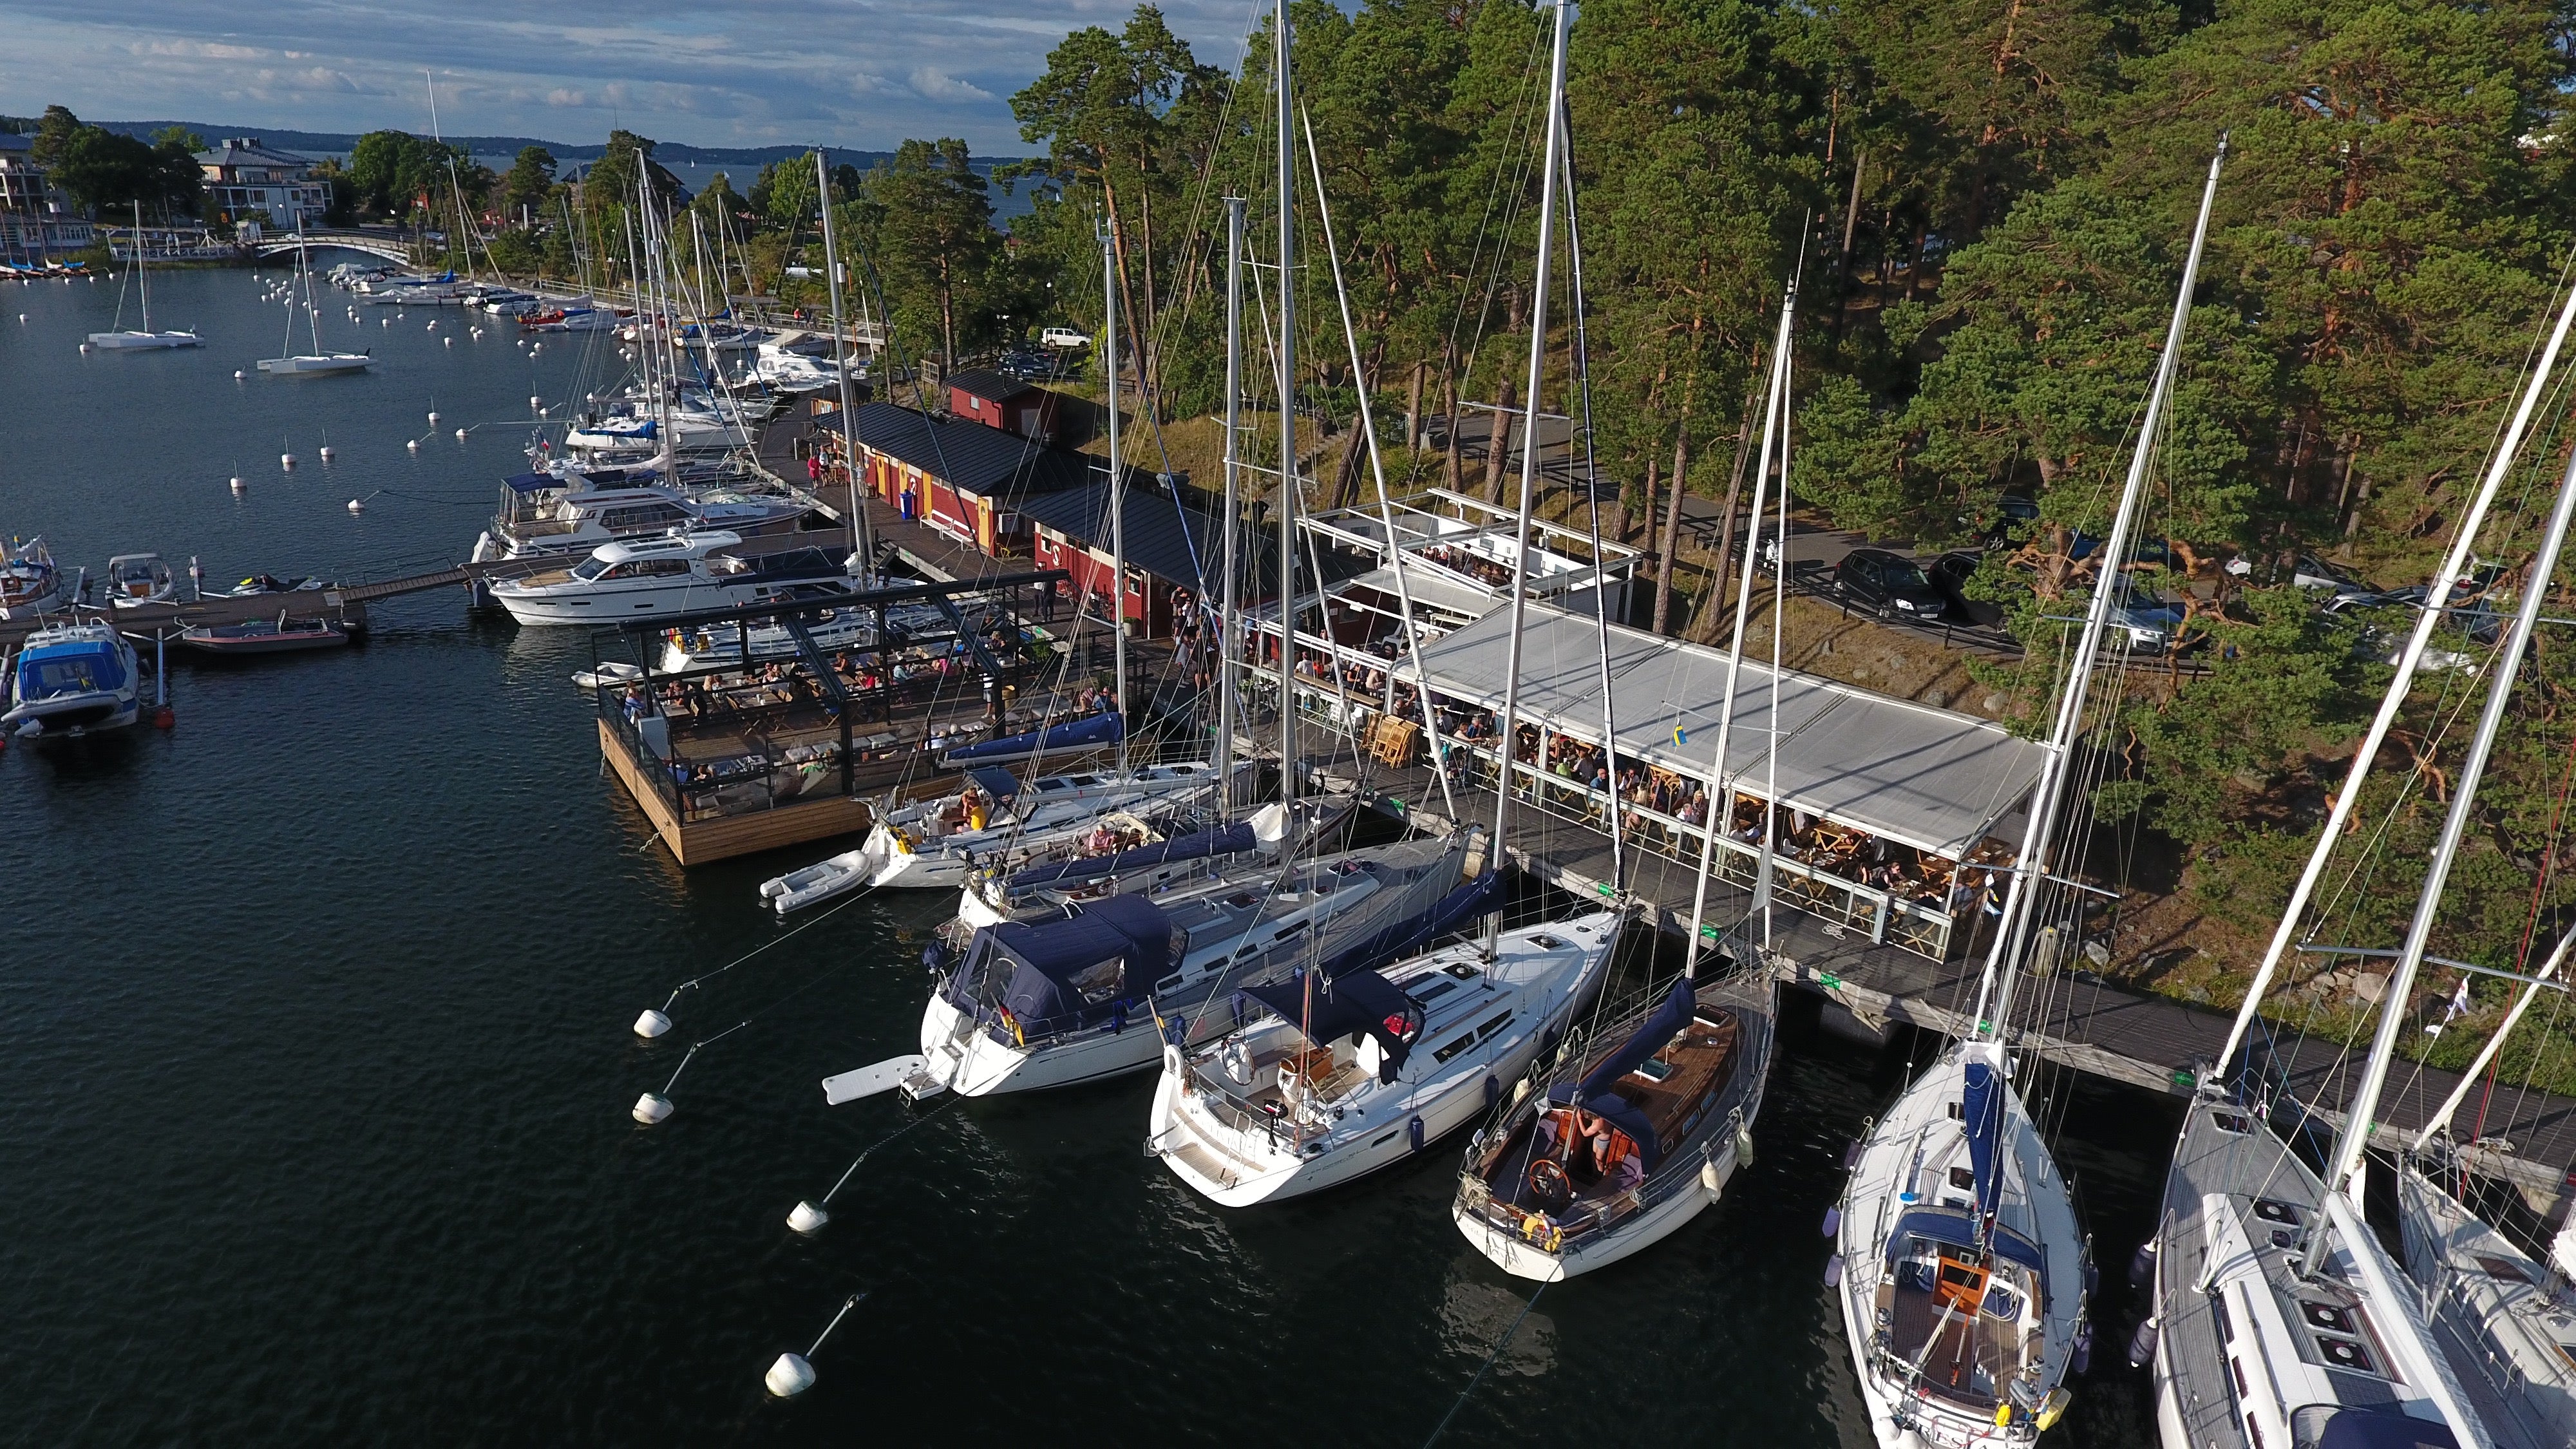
1345	1072
319	361
146	339
1960	1265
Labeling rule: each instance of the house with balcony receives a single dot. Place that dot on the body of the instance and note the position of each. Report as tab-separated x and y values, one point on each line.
36	219
259	189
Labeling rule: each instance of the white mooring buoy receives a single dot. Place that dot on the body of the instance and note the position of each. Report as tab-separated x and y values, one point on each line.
357	507
460	435
238	486
535	347
238	374
450	341
534	400
651	1108
651	1024
286	460
325	452
412	445
790	1376
808	1219
433	418
84	347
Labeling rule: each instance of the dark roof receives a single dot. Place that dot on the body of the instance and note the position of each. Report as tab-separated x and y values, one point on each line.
990	386
971	456
1166	538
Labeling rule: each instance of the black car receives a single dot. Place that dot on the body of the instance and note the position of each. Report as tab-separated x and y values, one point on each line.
1950	574
1890	584
1028	366
2015	516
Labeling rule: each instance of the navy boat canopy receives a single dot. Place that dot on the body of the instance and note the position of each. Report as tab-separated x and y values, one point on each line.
999	783
1958	1230
1082	968
1594	1093
1198	845
1981	1107
531	482
1347	1005
1095	729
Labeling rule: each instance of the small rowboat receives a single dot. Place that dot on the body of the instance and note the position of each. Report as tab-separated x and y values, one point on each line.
266	636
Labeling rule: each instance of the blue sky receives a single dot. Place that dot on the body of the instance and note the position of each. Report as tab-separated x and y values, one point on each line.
857	73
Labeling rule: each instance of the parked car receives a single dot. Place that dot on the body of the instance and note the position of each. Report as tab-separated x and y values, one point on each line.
1027	366
2014	518
2154	622
1062	337
1950	574
1889	584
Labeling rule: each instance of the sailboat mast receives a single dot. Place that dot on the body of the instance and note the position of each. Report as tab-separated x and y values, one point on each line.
2358	1118
1280	36
1224	634
1721	794
1765	862
841	365
1117	490
1529	442
2003	961
304	269
142	273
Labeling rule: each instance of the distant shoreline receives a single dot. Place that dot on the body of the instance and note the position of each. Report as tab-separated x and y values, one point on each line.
339	142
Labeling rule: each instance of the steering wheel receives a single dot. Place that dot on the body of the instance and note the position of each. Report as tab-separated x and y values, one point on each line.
1548	1182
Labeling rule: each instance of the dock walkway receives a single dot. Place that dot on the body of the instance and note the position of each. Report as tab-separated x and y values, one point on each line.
2069	1016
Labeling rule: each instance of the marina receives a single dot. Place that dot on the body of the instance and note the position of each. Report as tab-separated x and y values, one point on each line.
1297	929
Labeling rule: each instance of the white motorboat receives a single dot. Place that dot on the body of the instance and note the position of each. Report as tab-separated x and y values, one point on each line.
146	339
544	514
30	585
71	679
137	579
677	573
1673	1090
712	646
940	844
1077	997
1341	1076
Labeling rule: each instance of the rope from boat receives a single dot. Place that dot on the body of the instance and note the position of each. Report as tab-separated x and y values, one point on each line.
1481	1369
846	1173
695	981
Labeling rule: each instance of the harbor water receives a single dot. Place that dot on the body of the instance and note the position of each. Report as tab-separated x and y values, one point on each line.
315	1061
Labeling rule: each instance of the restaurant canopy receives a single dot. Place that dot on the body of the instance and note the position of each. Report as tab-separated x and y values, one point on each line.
1925	777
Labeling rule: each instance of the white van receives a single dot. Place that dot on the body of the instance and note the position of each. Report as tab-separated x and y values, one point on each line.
1063	337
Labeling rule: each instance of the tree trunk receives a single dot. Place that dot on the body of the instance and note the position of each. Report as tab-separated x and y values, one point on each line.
1617	529
1498	455
1413	408
1668	546
1346	479
1914	269
1851	229
1451	465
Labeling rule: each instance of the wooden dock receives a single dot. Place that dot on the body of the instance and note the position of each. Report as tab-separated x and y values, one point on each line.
2073	1017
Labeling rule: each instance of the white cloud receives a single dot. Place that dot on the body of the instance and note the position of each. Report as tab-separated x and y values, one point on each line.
933	84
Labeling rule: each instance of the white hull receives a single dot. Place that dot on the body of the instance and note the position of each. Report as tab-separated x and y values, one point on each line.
1517	1257
315	365
141	341
555	605
821	881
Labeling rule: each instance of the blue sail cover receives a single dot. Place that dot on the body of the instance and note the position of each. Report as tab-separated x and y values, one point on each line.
1198	845
1464	903
1078	970
1594	1093
1362	1001
1094	729
1982	1109
1954	1228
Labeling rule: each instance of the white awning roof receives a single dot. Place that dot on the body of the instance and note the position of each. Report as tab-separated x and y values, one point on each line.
1926	777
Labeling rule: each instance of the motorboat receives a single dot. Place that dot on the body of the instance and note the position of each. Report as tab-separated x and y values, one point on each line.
677	573
1337	1076
710	646
135	580
1098	989
258	584
280	635
781	365
938	844
70	679
1669	1101
1960	1266
545	514
30	585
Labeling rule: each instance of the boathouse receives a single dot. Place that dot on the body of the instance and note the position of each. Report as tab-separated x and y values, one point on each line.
998	400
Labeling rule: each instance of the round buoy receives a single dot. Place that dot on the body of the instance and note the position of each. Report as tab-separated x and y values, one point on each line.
22	319
651	1108
326	452
413	445
477	331
432	327
164	717
450	341
790	1376
534	400
356	506
808	1219
433	419
84	347
237	485
545	412
384	321
286	460
535	347
651	1024
238	374
460	435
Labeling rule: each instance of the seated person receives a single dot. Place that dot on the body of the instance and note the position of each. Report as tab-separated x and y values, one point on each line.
1594	1152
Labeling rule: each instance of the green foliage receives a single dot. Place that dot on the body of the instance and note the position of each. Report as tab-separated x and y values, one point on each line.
106	172
530	180
935	244
401	175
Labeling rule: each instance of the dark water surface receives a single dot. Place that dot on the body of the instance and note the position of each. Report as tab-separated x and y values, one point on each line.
314	1061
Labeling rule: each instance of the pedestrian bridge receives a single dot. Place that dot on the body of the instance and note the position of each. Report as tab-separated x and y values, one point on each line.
356	241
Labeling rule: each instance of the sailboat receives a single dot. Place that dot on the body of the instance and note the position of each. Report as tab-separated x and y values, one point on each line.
1960	1265
318	361
1341	1070
2259	1259
127	341
1638	1136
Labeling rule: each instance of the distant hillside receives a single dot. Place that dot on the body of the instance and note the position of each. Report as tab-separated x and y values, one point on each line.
339	142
